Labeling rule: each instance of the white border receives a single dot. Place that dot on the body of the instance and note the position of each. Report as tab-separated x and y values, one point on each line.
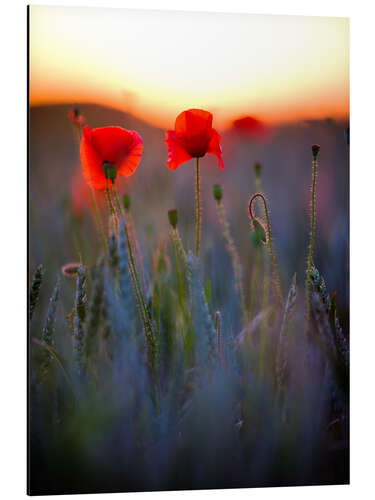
13	240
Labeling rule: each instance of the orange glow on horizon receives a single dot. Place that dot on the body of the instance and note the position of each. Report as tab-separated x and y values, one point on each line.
276	68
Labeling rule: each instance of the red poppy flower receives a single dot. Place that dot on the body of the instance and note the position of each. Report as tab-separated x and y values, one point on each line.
115	145
193	137
251	127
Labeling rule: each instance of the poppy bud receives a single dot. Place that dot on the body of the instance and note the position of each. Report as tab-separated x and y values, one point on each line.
315	150
173	218
110	171
126	201
257	169
218	193
259	230
70	269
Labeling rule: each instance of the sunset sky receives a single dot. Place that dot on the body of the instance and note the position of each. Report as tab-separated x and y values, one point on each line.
156	64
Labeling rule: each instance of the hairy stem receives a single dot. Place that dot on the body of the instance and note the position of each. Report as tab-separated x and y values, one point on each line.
255	282
111	207
198	208
145	315
312	230
273	259
117	201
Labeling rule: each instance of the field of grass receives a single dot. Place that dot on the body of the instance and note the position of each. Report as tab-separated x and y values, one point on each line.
154	368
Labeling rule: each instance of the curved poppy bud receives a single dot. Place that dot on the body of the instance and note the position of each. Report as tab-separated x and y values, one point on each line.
193	137
259	230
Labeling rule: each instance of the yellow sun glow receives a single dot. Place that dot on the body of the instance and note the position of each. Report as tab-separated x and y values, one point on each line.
156	64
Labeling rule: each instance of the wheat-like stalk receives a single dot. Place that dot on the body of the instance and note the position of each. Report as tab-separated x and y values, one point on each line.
219	337
342	344
79	319
48	328
112	252
282	351
93	315
320	303
232	249
125	283
177	242
152	351
205	335
35	289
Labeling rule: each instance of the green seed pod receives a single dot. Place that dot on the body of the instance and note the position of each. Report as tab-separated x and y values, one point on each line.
126	201
257	169
218	192
110	171
173	218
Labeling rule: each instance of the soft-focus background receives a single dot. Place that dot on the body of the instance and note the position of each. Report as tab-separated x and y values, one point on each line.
139	70
62	227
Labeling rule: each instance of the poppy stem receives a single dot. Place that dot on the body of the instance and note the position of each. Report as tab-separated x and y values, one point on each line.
98	220
137	285
111	208
273	259
115	195
150	337
131	231
198	208
312	231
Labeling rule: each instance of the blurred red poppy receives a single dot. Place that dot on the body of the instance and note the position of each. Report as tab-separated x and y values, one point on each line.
251	127
193	137
115	145
79	193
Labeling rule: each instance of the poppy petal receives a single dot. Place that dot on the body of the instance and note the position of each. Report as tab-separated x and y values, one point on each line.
92	164
194	130
177	154
193	122
214	147
133	157
112	143
116	145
